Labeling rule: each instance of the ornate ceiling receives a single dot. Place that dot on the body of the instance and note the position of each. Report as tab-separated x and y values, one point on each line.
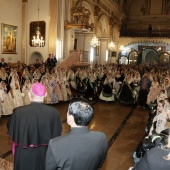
141	13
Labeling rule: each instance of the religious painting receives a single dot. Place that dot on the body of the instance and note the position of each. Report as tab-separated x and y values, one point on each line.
9	39
37	34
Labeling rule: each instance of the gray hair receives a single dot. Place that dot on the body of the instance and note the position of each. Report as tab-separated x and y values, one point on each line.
36	98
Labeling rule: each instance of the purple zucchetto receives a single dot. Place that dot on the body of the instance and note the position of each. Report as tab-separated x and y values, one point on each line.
38	89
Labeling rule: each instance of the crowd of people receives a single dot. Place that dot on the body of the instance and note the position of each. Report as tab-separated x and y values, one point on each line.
153	151
35	131
143	85
155	145
130	85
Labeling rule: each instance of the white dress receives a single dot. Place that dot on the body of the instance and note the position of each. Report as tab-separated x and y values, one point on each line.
49	89
107	92
63	84
6	102
160	120
25	89
153	92
17	97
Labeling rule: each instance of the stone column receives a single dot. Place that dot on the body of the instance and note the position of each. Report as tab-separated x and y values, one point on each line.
96	13
52	26
98	49
24	32
60	29
102	51
69	34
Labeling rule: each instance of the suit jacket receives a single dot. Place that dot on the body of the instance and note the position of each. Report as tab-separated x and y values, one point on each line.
154	160
3	64
147	85
81	149
51	62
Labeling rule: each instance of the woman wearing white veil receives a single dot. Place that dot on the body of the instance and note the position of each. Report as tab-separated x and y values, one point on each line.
16	92
7	105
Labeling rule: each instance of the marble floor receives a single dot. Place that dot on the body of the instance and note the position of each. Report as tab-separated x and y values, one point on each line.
123	125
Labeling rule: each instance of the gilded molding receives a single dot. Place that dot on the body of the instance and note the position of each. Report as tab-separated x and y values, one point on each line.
107	7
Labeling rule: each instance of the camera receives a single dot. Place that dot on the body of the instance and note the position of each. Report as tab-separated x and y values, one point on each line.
151	141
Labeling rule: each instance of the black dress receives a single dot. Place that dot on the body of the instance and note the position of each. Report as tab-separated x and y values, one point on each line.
99	85
107	93
81	85
126	93
91	89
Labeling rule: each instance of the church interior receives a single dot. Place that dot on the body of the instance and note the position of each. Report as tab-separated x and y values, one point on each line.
86	33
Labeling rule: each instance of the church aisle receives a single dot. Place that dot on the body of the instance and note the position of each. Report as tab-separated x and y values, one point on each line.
108	118
120	154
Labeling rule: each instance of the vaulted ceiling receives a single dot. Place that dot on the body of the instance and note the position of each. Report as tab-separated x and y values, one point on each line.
141	13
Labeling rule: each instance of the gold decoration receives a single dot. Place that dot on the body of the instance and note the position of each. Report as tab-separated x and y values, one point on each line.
80	17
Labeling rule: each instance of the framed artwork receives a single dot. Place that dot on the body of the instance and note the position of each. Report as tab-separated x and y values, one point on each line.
9	39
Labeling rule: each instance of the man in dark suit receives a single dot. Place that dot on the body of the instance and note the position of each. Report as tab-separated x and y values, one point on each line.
3	63
51	62
37	64
30	128
81	149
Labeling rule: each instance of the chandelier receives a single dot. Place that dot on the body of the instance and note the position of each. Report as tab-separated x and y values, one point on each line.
37	40
111	46
121	47
94	42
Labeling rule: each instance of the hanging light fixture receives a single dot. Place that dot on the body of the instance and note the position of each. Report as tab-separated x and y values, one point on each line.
121	47
37	40
111	46
95	42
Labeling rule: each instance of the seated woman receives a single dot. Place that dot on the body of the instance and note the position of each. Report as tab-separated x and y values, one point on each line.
159	121
162	94
107	94
157	158
168	119
156	123
127	93
166	84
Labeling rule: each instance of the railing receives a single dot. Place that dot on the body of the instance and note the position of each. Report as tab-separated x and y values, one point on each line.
144	33
72	59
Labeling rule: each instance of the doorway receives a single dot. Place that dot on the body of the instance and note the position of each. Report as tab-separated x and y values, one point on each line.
34	56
